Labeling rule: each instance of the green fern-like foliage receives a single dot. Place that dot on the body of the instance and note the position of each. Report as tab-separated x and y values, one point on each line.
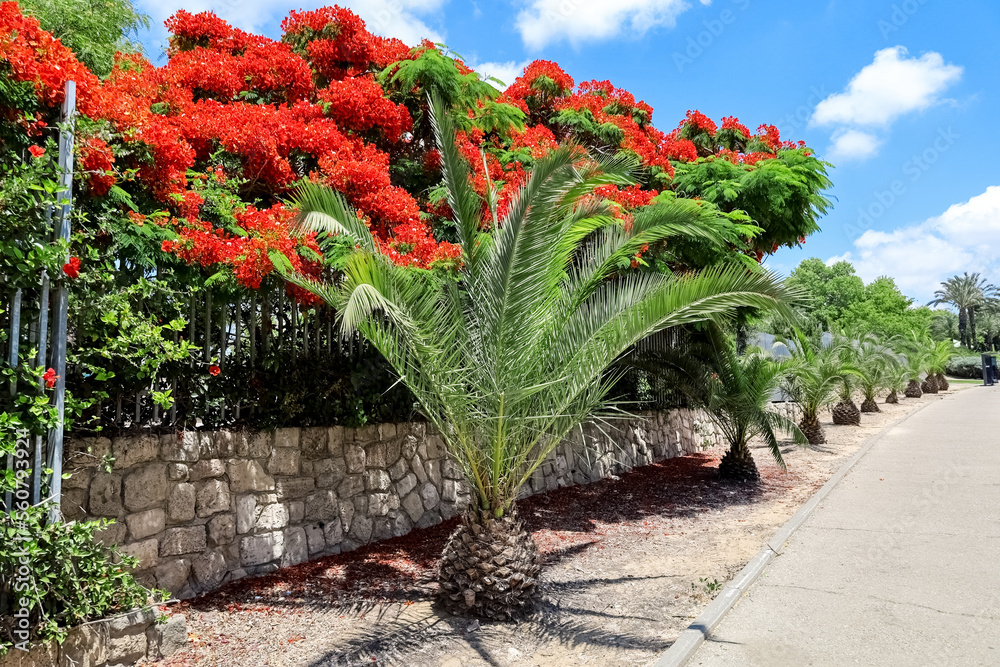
782	196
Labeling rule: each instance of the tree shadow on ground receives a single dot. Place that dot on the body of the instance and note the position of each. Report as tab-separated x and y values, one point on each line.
389	640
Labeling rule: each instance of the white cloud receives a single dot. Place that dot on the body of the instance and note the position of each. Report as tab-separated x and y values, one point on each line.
966	237
853	145
546	22
891	86
404	19
506	72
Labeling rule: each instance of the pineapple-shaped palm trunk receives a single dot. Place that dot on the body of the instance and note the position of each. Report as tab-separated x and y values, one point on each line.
929	385
489	568
869	405
893	397
846	413
738	465
812	429
942	382
913	389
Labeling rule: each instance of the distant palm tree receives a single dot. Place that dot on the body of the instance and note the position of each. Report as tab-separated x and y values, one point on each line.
967	293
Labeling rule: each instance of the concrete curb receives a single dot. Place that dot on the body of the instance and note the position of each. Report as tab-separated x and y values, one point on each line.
684	648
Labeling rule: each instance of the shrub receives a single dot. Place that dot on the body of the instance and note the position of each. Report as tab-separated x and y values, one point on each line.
965	367
62	575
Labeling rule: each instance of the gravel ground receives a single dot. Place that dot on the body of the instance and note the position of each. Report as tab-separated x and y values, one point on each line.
630	562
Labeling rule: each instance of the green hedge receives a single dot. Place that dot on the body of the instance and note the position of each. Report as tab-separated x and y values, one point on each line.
965	367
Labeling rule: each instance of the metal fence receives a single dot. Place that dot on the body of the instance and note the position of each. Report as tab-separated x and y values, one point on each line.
232	335
45	332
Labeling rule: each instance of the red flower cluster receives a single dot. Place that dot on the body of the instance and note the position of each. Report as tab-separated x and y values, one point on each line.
39	58
249	255
733	123
632	197
96	163
541	84
337	44
72	268
700	121
50	377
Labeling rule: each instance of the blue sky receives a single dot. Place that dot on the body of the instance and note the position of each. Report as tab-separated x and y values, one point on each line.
902	96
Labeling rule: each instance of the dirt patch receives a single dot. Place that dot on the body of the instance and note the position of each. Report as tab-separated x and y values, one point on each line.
630	562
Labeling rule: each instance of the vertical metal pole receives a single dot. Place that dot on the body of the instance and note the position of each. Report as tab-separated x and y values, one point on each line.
208	327
253	329
295	327
265	323
15	337
43	333
59	330
173	391
224	343
236	344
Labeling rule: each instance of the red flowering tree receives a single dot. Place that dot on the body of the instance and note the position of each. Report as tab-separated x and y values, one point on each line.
206	147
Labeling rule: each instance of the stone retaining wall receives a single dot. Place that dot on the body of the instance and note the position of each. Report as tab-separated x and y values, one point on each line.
202	508
119	641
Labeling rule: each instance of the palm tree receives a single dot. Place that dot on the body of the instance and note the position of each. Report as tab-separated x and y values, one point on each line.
845	412
508	356
897	379
967	293
739	394
916	358
940	354
813	375
873	366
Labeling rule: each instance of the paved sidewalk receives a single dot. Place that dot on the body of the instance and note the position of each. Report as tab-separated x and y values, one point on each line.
900	565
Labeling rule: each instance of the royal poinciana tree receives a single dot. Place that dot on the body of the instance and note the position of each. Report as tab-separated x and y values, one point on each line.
202	150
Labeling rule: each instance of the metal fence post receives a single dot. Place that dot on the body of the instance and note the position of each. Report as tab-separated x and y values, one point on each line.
59	331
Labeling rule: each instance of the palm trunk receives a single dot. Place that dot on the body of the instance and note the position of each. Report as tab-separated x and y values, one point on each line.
846	413
942	382
892	397
738	464
963	326
811	428
489	568
869	405
913	389
929	385
972	329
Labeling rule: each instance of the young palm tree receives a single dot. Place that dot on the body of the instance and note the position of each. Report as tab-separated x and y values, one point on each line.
813	375
508	357
915	358
873	367
845	412
897	379
940	354
738	399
